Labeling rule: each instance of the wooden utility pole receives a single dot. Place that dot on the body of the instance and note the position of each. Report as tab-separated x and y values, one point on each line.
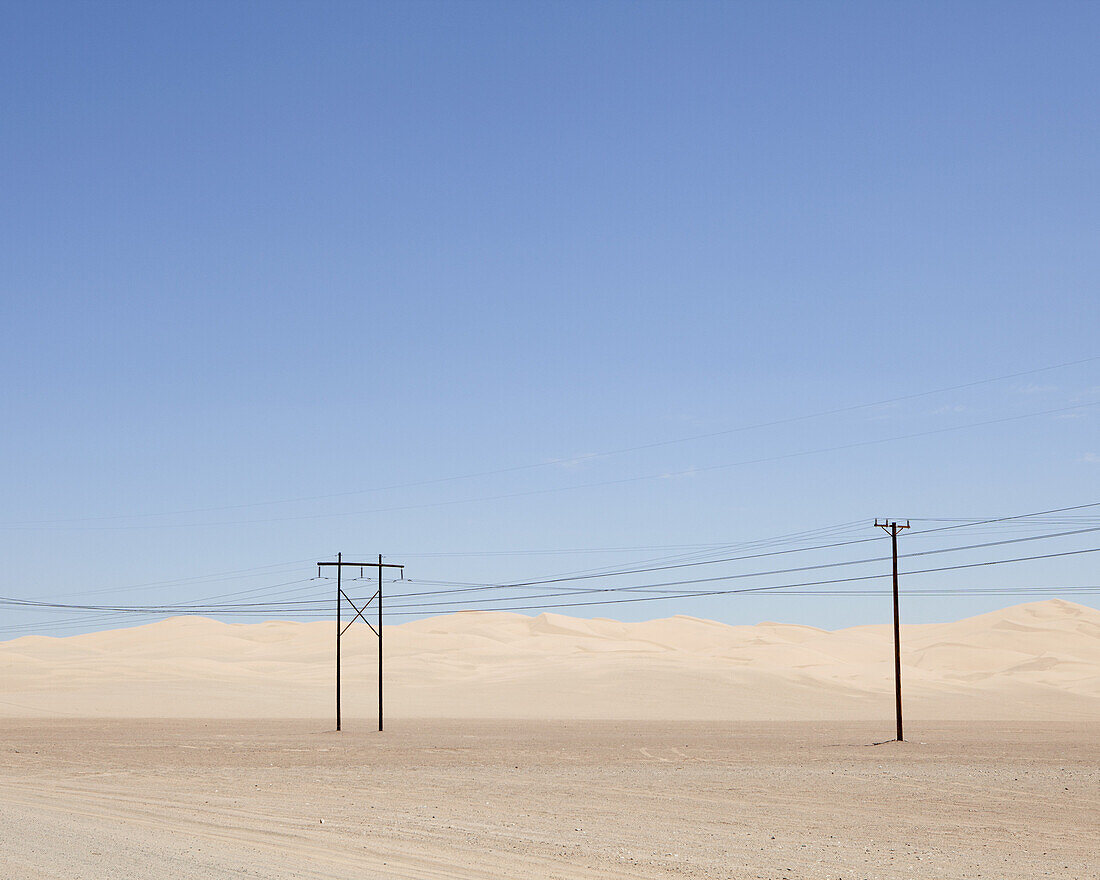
892	528
360	614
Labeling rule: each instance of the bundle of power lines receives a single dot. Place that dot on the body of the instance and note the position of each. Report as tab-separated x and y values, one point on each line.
696	567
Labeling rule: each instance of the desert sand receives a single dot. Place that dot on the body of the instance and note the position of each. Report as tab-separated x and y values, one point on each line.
1028	662
556	748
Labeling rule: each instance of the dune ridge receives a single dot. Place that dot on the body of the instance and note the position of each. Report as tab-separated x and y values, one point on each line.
1029	662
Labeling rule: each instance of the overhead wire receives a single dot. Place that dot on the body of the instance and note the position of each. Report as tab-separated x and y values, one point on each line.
307	605
645	570
776	541
214	577
772	573
597	484
771	588
633	599
315	606
557	462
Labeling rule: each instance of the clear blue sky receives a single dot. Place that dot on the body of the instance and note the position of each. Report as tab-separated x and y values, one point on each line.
258	251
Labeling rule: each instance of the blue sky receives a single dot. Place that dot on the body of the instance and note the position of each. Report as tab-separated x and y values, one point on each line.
255	252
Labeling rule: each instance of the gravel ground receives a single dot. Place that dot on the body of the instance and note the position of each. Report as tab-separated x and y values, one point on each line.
439	799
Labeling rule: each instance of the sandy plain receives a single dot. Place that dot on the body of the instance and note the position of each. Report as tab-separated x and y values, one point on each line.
92	800
555	748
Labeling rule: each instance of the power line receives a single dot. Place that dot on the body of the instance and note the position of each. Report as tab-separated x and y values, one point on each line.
777	541
311	607
586	576
556	489
315	605
83	621
214	577
707	593
743	575
558	462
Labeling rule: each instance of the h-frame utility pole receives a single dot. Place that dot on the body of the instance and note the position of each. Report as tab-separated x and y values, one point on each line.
892	529
360	614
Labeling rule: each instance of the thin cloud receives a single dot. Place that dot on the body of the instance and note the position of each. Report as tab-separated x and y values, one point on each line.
680	475
1035	388
576	461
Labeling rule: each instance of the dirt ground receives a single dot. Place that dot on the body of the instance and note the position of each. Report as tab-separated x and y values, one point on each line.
94	800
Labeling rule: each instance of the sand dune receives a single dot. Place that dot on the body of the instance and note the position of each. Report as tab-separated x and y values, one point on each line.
1027	662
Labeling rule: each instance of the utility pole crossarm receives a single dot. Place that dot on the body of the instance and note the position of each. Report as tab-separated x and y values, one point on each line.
360	564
